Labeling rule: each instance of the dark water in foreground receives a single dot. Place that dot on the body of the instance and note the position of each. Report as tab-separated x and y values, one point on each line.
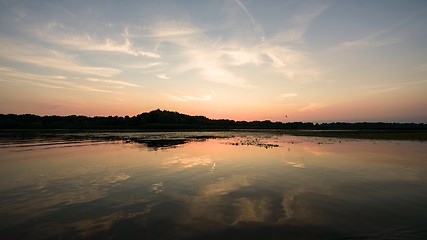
232	185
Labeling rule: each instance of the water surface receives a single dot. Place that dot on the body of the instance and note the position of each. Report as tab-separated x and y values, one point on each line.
231	185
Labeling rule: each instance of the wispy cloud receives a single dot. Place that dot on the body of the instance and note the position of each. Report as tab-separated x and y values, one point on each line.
183	47
49	58
59	35
144	65
215	62
172	29
376	39
300	21
309	15
371	41
291	36
242	56
220	75
256	26
384	90
197	54
390	87
114	82
292	63
312	107
163	76
47	81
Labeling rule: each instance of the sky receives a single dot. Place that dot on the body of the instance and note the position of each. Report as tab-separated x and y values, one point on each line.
282	60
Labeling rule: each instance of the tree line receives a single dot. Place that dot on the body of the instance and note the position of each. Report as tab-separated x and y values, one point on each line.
168	120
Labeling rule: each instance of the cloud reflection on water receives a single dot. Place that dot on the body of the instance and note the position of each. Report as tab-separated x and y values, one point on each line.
183	161
296	164
208	187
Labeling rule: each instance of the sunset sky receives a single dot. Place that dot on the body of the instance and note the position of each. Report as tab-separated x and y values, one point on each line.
317	61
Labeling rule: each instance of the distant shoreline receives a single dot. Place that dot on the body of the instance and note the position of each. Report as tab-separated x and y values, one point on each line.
168	121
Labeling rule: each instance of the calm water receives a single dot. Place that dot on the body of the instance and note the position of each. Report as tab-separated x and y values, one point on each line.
232	185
